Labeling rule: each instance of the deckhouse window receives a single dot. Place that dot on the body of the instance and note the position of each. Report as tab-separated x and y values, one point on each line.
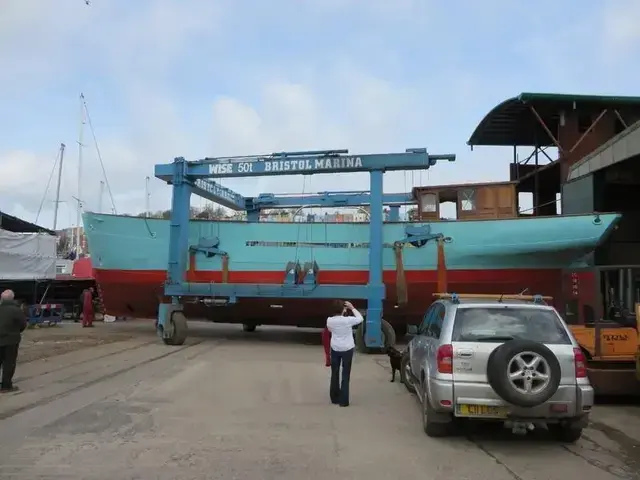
467	199
428	203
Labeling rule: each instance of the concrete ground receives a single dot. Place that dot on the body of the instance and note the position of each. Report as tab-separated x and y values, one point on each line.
231	405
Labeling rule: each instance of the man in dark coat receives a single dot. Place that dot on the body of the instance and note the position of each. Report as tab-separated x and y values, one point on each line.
12	324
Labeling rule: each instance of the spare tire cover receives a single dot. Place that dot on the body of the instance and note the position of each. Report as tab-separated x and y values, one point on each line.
524	373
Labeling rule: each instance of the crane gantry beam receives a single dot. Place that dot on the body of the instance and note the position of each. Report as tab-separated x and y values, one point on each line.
187	178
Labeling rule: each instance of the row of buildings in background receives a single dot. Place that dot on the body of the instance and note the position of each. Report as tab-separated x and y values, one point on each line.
284	215
326	217
361	215
72	242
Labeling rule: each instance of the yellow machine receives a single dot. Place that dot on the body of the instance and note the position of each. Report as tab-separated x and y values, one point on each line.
606	343
613	352
638	342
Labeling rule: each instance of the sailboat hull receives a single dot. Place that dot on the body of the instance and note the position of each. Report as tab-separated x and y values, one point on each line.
496	256
137	293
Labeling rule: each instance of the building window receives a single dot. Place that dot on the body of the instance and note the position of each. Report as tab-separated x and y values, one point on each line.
467	200
429	203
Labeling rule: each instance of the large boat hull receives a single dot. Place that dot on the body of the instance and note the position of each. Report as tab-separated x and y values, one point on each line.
494	256
138	293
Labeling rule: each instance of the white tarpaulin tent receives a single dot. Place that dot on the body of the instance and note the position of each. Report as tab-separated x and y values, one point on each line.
27	256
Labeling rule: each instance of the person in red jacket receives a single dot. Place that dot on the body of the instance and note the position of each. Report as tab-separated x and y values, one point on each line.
326	343
87	308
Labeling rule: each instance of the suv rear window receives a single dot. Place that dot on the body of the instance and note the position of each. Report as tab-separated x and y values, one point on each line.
485	324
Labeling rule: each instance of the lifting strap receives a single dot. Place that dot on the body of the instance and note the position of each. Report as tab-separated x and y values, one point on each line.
442	267
191	271
401	278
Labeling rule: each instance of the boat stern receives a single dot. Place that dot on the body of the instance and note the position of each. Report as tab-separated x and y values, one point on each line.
609	222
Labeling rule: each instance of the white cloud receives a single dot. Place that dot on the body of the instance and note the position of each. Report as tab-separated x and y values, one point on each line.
620	32
366	114
129	59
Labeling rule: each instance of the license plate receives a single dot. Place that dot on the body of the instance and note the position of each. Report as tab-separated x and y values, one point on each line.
481	411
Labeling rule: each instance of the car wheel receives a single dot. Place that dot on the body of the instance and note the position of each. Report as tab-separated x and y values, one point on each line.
565	433
405	372
524	373
431	428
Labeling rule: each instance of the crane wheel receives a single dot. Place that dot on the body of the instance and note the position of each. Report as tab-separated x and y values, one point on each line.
179	329
388	337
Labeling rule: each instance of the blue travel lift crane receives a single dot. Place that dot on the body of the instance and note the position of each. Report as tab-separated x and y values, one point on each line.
196	177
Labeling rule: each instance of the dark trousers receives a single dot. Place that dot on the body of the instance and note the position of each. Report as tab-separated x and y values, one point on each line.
339	388
8	359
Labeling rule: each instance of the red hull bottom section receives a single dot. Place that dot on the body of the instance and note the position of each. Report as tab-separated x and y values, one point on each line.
138	293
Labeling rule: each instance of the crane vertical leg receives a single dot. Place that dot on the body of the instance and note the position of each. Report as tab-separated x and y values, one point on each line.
373	331
178	248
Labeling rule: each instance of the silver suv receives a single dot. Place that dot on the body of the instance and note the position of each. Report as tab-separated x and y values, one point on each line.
499	358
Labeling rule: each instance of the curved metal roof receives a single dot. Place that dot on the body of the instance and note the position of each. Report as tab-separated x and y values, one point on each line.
513	123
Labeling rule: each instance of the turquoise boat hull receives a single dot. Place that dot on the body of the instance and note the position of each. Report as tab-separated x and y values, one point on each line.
130	255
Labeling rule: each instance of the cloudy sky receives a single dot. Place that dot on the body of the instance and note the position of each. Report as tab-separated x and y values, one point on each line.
196	78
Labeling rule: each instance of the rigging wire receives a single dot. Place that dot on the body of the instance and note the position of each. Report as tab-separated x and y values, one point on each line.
46	189
95	142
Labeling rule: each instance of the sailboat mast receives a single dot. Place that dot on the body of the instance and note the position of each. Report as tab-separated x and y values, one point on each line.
55	211
101	195
80	147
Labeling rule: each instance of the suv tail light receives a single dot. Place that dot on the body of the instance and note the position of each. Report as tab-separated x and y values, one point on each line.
580	362
444	358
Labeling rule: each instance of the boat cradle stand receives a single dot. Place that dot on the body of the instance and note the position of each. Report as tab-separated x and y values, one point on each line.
187	177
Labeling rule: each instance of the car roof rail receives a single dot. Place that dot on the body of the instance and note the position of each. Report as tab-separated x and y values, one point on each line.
539	300
455	297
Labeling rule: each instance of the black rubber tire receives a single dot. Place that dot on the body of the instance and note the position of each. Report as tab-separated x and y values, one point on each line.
404	377
497	370
565	433
248	328
432	429
179	330
388	336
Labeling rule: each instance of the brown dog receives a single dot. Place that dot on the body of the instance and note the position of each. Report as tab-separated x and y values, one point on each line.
395	360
